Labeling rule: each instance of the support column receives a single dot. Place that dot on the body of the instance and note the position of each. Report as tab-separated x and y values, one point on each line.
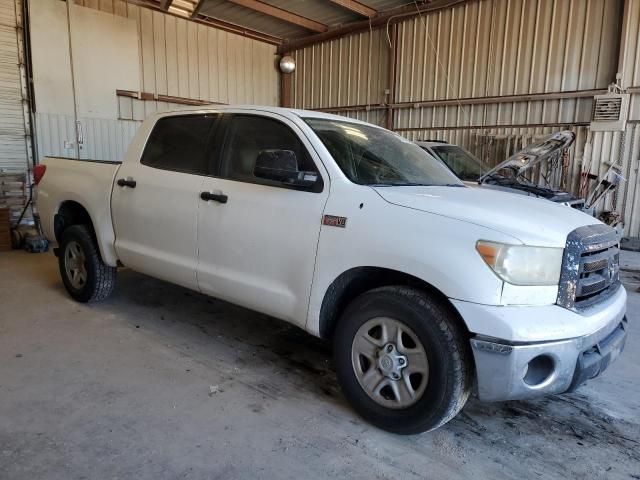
285	88
391	82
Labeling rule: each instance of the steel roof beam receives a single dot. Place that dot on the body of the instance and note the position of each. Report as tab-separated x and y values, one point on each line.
214	22
356	7
281	14
196	10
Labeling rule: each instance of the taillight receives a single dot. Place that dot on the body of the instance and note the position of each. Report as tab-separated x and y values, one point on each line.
38	173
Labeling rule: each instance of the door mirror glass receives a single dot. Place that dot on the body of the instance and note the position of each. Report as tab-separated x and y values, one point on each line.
282	166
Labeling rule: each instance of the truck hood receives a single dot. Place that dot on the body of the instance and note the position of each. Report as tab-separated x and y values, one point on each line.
531	220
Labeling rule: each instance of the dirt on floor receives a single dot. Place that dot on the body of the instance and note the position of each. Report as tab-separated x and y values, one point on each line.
161	382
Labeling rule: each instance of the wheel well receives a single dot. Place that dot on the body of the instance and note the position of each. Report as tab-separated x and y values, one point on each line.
358	280
70	213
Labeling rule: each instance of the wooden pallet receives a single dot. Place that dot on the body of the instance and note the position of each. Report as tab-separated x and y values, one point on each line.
14	193
5	229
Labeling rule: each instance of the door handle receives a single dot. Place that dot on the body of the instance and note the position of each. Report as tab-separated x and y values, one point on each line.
216	197
79	133
123	182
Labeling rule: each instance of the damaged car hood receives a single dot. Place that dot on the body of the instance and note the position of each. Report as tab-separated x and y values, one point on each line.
532	155
532	221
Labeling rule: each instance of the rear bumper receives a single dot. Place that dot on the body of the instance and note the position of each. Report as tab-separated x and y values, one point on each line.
511	372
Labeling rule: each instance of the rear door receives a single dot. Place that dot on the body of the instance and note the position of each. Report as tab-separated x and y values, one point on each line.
258	248
155	200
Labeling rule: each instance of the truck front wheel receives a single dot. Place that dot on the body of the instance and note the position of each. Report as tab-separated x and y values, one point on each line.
86	277
401	360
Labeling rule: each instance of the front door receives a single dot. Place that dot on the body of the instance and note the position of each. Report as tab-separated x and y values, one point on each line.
155	199
257	238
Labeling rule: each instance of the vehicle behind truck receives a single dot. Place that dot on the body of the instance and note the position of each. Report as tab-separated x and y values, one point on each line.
516	173
429	290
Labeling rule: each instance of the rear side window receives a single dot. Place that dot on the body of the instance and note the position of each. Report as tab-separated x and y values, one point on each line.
180	144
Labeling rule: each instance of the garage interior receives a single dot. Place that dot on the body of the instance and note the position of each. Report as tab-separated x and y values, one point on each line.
162	382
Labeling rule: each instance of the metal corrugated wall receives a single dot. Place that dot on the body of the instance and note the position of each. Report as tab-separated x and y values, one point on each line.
460	74
349	71
629	199
493	48
14	146
483	48
630	53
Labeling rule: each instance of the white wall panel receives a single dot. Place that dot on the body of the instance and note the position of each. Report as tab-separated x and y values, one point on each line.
190	60
51	61
105	58
52	130
116	45
104	139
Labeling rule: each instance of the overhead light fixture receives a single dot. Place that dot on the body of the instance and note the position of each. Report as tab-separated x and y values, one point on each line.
287	64
184	8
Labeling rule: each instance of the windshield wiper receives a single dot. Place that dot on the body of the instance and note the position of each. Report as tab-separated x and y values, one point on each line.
491	176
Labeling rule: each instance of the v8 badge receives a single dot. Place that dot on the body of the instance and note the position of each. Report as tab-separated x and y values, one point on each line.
333	221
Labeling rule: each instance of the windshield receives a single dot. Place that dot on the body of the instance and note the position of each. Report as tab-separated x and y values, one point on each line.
462	163
373	156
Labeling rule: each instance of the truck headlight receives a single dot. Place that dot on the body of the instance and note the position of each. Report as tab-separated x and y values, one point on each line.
521	264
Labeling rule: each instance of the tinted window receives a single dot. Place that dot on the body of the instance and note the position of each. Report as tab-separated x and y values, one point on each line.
180	144
250	136
370	155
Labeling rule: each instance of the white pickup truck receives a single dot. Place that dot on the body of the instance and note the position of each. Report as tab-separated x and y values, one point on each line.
428	289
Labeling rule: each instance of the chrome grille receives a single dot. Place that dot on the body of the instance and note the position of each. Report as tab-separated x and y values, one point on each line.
590	265
591	285
590	270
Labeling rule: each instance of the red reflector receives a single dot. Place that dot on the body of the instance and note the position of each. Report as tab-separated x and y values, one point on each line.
38	173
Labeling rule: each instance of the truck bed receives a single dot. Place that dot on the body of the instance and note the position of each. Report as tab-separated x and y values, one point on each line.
87	182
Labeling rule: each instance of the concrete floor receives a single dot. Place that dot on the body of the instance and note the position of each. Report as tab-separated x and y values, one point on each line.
122	390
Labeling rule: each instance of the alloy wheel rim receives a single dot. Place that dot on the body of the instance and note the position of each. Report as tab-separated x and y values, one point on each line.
390	362
75	265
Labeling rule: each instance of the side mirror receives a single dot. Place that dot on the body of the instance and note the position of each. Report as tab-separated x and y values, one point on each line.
282	166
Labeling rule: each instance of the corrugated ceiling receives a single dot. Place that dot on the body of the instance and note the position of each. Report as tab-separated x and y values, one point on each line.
326	14
320	11
244	17
382	5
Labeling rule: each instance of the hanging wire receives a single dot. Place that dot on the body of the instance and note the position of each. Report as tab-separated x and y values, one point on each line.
439	61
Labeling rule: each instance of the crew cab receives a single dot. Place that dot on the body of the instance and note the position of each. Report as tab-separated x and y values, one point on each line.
428	289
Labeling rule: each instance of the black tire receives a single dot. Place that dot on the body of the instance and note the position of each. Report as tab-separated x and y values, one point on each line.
100	278
448	353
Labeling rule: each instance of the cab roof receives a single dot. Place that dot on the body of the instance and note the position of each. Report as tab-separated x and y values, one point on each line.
263	108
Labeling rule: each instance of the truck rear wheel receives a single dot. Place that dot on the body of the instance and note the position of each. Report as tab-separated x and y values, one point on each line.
86	277
401	360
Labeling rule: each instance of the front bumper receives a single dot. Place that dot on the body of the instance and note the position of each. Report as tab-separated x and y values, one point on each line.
511	370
